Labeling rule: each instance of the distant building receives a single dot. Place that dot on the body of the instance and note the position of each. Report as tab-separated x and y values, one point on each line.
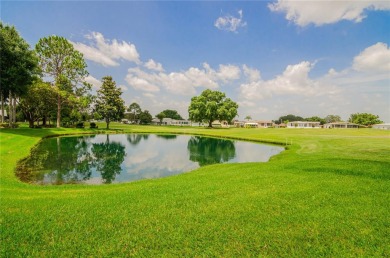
385	126
253	124
341	125
304	124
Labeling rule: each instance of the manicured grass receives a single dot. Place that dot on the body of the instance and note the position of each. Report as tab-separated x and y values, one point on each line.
327	195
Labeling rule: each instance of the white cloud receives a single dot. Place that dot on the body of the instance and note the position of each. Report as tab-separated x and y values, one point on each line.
251	74
228	73
321	12
141	80
230	23
294	81
107	52
185	82
375	58
152	65
95	82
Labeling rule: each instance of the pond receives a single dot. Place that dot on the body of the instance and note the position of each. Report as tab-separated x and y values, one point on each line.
104	159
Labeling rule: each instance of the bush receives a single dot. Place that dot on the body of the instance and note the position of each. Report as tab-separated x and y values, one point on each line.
93	125
80	125
6	125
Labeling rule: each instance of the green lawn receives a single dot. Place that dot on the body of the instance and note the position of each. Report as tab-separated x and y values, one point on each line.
327	195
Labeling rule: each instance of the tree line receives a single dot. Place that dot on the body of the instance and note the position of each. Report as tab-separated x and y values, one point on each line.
365	119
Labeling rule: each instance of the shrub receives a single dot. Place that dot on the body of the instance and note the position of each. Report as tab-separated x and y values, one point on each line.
80	125
93	125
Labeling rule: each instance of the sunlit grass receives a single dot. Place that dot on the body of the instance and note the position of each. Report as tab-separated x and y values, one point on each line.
327	195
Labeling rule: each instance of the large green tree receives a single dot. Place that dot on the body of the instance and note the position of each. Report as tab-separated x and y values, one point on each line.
38	102
66	68
109	103
18	68
364	119
212	105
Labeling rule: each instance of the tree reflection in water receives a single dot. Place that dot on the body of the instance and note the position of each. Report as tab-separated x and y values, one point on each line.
72	160
207	151
108	157
135	139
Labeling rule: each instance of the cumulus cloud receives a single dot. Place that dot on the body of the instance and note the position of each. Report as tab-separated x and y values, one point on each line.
375	58
184	82
152	65
294	80
251	73
107	52
321	12
141	80
230	23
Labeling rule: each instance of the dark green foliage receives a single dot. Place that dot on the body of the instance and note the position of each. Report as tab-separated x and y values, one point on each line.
289	118
210	106
109	103
316	119
18	64
145	118
80	125
93	125
172	114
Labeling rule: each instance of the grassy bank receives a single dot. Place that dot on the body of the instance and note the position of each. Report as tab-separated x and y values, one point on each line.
327	195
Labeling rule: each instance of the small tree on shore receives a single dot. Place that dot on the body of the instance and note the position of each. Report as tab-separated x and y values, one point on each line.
109	103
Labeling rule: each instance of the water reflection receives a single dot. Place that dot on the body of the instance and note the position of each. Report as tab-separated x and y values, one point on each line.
104	159
207	151
108	157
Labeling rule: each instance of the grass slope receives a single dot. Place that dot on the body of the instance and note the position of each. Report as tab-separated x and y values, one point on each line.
327	195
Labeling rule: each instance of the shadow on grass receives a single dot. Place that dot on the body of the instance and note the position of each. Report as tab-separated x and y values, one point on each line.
47	132
347	167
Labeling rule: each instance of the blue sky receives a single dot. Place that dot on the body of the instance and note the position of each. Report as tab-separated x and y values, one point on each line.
272	57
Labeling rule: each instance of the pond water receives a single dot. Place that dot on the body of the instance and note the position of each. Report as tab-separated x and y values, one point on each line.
103	159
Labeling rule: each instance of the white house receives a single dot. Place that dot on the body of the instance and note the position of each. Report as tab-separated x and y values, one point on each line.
304	124
253	124
341	125
385	126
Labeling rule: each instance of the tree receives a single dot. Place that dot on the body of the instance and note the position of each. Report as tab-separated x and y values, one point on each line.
332	118
210	106
18	68
161	116
290	117
248	118
135	109
38	102
145	117
364	119
316	119
172	114
109	103
65	66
